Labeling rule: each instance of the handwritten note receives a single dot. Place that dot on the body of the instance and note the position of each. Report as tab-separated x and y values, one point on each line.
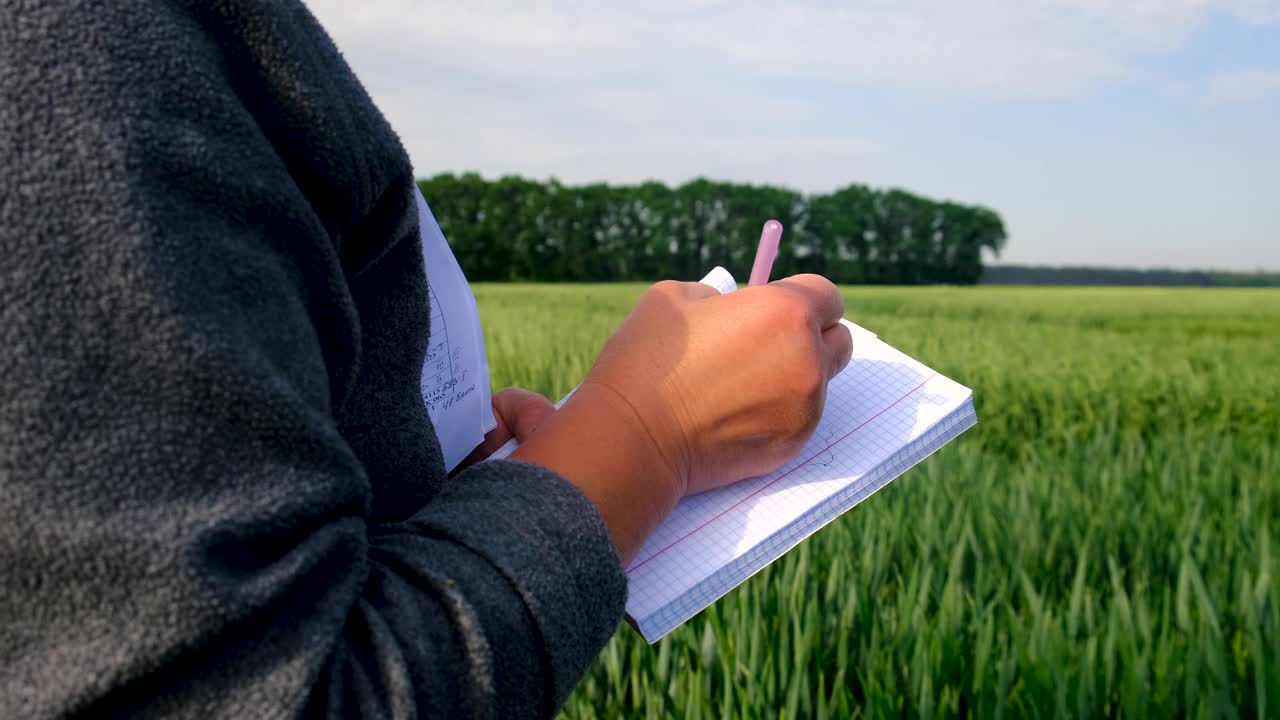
455	375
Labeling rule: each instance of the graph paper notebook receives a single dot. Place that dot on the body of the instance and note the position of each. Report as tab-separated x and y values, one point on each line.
885	412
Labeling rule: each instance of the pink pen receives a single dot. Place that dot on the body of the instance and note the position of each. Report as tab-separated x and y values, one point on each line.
766	252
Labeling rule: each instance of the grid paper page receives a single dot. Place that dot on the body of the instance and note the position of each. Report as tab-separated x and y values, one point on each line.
884	410
653	627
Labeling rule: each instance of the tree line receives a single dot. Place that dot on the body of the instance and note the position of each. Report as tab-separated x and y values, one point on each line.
1031	275
518	229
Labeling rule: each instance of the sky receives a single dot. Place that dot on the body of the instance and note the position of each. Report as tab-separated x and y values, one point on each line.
1117	133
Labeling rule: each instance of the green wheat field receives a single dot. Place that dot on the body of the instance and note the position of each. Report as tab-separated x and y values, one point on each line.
1103	544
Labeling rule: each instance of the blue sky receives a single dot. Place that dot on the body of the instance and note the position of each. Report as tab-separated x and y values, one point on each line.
1140	133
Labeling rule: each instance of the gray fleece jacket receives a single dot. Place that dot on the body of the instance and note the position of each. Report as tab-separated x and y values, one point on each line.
220	493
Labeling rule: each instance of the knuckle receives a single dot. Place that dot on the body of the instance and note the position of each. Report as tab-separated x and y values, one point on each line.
836	296
825	283
671	290
792	313
826	288
665	288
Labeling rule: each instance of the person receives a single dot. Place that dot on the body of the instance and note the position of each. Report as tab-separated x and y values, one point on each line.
220	493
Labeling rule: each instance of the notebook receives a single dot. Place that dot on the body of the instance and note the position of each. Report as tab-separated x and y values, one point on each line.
885	412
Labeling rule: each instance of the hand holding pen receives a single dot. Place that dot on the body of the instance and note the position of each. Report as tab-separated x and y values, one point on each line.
697	390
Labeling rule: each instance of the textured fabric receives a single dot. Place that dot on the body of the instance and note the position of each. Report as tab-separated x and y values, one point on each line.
220	493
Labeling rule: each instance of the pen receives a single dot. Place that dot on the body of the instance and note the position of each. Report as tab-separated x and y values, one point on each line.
766	252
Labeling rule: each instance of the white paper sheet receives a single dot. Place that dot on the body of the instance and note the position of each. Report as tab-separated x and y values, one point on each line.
455	376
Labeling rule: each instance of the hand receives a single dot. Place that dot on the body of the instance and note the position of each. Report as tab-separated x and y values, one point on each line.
732	386
519	412
696	390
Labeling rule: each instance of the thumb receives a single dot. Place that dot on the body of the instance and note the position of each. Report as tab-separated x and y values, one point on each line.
520	412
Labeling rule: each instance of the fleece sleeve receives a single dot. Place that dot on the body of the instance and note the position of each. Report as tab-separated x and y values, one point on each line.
185	530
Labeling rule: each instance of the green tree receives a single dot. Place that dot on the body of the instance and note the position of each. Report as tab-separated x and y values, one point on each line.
518	229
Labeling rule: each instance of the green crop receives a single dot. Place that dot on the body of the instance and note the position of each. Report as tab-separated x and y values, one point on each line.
1103	544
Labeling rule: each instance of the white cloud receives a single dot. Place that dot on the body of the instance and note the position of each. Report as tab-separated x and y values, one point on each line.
1243	85
995	47
673	88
